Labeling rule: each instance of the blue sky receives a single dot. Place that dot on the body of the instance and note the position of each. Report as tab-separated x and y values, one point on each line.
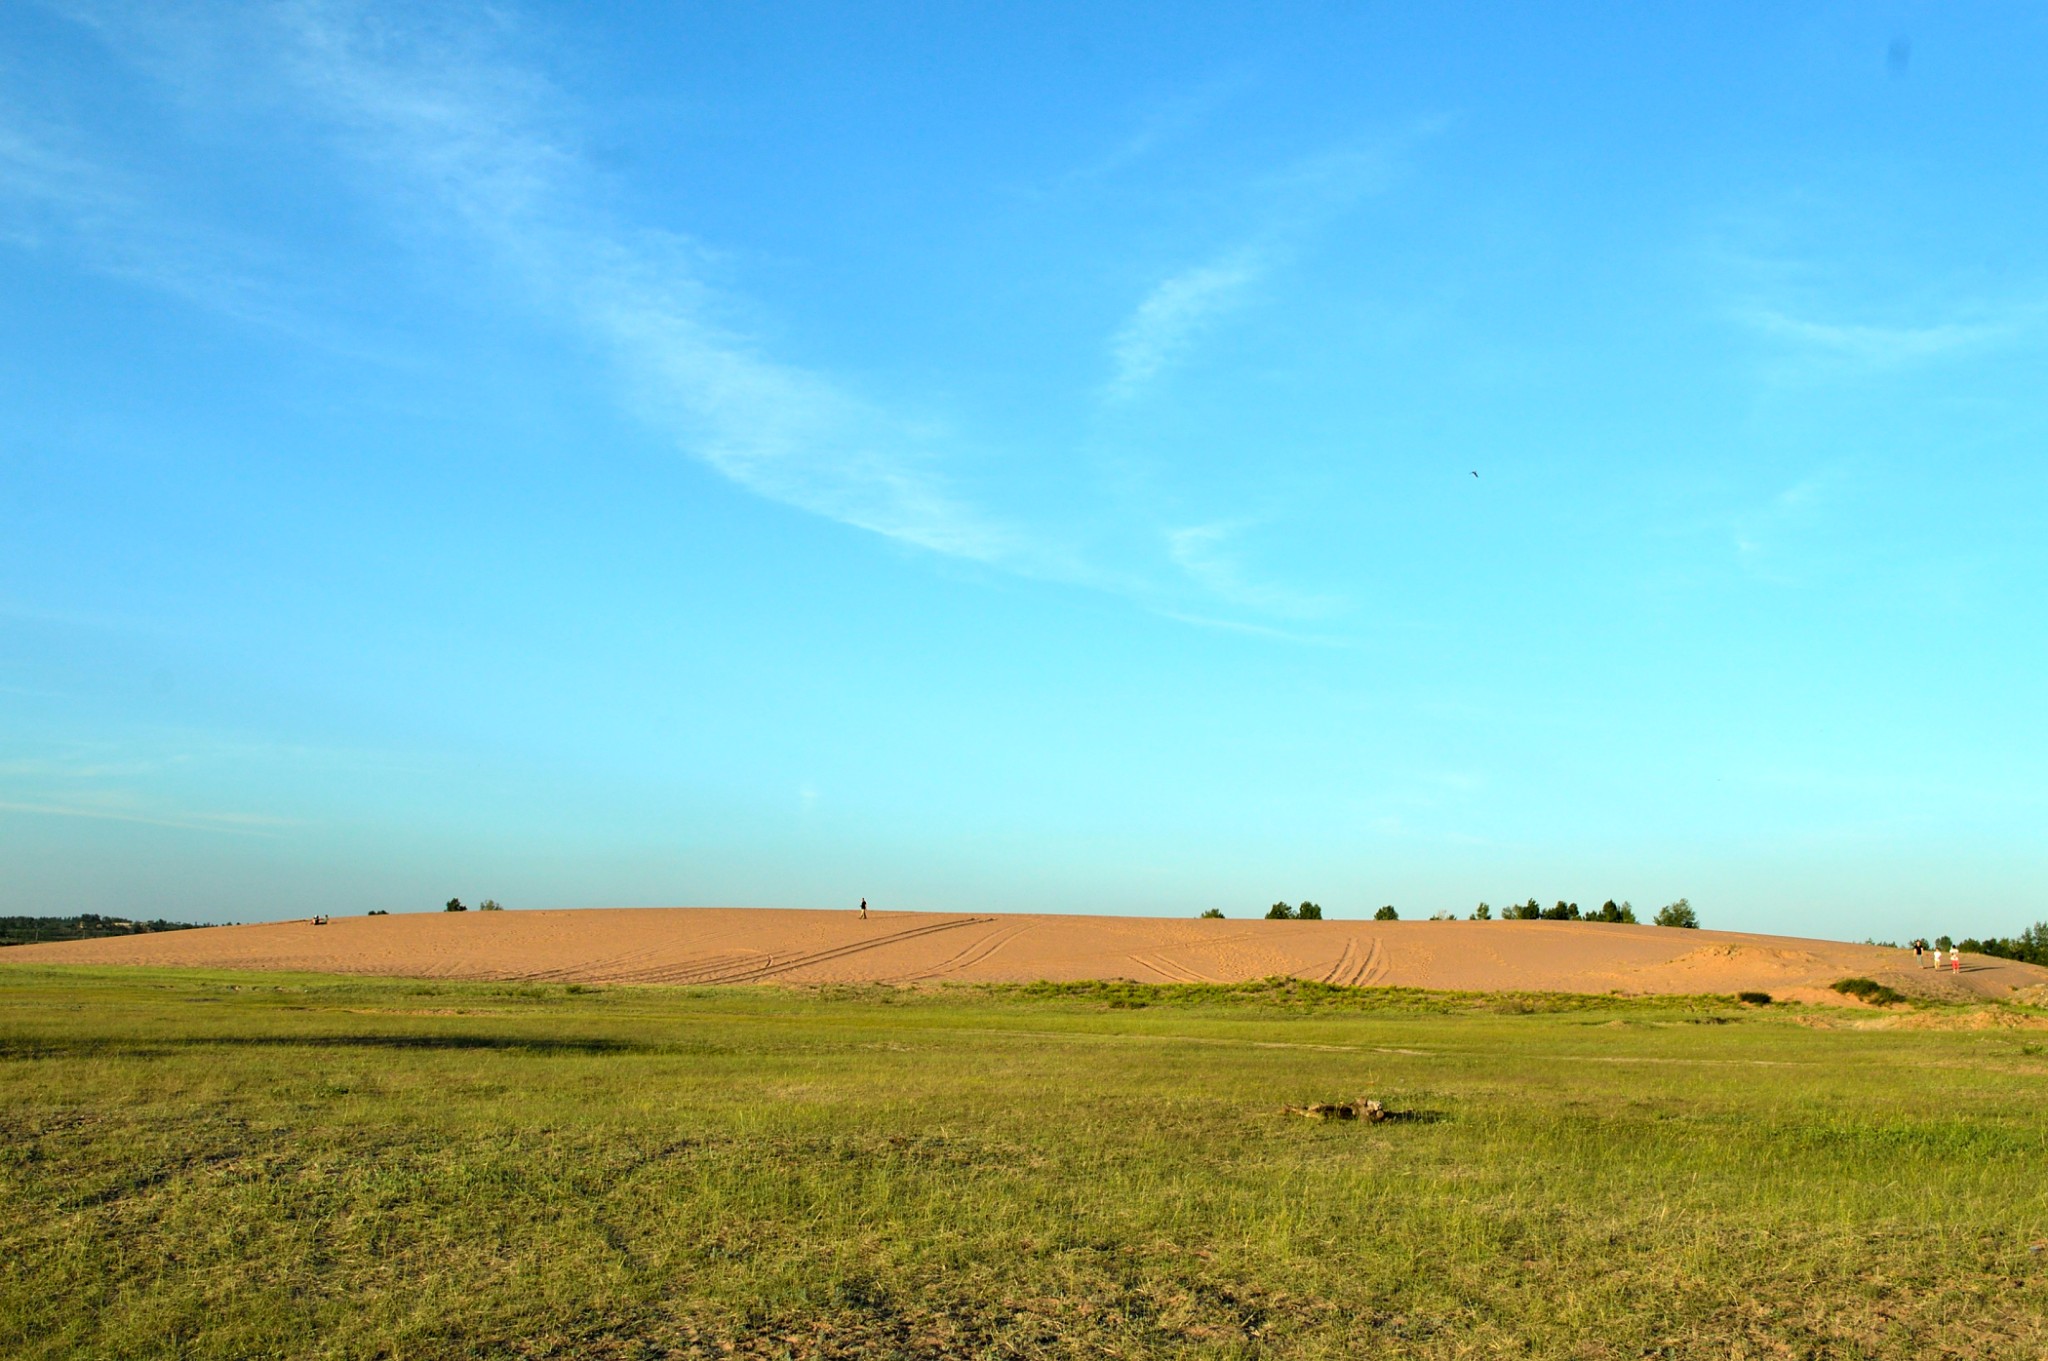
1022	459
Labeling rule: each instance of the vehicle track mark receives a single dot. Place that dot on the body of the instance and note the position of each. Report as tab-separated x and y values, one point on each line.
773	967
1374	968
968	957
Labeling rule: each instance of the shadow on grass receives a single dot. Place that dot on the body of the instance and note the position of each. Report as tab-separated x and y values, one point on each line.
19	1048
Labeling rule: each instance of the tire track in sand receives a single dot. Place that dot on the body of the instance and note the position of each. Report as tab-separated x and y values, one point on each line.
1373	969
771	967
972	955
1168	969
1347	966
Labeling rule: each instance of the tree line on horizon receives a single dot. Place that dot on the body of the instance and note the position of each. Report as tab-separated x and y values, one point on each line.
2028	947
84	926
1678	914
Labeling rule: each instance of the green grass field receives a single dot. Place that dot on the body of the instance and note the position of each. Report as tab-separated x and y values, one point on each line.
251	1166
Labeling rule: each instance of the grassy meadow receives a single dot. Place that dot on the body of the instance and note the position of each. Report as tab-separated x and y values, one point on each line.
217	1165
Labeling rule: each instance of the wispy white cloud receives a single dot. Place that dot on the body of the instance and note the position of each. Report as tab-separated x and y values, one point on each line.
243	823
453	134
1877	347
490	143
54	196
1174	313
1294	201
458	140
1210	556
1154	129
1252	630
1762	533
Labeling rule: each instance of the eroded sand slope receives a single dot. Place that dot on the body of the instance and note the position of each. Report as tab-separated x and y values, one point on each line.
753	945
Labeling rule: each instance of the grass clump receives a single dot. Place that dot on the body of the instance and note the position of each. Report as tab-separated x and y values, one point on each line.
1871	991
1281	994
1754	999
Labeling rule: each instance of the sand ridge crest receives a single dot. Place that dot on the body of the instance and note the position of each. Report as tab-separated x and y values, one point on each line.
724	945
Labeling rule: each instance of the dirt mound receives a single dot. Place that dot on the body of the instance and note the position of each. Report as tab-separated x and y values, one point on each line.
704	945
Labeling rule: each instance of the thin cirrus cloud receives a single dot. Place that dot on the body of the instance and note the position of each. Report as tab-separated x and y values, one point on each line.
482	141
437	125
1210	556
54	196
1298	200
1175	313
1877	347
245	824
1784	540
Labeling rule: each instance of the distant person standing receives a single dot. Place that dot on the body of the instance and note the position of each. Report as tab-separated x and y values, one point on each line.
1955	959
863	909
1919	954
1937	958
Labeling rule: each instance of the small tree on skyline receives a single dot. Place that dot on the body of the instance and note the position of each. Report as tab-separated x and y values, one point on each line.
455	905
1212	912
1280	912
1679	913
1386	914
1308	912
1482	913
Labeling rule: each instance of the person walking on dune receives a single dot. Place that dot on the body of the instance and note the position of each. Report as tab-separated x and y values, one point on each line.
1919	954
863	909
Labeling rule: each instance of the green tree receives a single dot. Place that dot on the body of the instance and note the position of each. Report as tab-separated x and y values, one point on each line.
1212	912
490	905
2029	946
1386	914
455	905
1309	912
1482	913
1521	912
1280	912
1679	913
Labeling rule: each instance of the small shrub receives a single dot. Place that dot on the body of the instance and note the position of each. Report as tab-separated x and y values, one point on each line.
490	905
1679	913
1212	912
1280	912
1386	914
455	905
1309	912
377	912
1521	912
1870	990
1482	913
1755	999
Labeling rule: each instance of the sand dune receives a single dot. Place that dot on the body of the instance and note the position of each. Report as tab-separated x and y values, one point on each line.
762	945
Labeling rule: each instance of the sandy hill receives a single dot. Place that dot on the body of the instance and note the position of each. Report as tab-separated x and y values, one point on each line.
759	945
